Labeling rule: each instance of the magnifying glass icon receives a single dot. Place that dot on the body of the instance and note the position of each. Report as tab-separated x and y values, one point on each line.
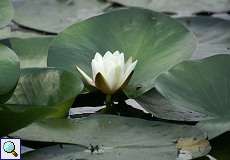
9	147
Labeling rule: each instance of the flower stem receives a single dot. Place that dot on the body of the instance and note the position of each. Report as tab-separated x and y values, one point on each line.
108	101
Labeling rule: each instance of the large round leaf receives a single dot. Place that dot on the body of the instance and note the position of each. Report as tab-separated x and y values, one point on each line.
116	134
160	107
6	12
212	33
55	15
32	52
182	7
9	72
155	40
47	87
201	86
14	117
83	153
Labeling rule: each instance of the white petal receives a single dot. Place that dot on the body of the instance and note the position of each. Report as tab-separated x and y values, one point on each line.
128	71
115	78
108	55
97	65
87	78
109	67
98	57
129	62
113	69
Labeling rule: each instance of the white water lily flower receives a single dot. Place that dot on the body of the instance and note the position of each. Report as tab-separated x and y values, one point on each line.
110	72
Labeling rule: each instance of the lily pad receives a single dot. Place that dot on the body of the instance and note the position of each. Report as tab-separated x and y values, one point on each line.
200	85
212	33
55	15
6	12
32	52
9	72
139	33
47	87
160	107
181	7
215	127
14	117
69	152
113	134
7	32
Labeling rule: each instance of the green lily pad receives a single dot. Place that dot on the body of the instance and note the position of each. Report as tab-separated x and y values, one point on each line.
113	134
212	33
160	107
202	86
140	33
55	15
215	127
69	152
181	7
6	12
9	72
14	117
7	32
47	87
32	52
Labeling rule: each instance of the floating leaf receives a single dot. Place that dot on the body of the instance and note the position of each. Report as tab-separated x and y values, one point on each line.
14	117
9	72
181	7
69	152
55	15
139	33
212	33
202	86
47	87
160	107
113	135
8	32
32	52
6	12
215	127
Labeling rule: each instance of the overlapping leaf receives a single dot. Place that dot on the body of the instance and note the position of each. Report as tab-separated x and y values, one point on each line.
14	117
55	15
6	12
212	33
32	52
201	86
114	135
9	72
181	7
160	107
47	87
140	33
